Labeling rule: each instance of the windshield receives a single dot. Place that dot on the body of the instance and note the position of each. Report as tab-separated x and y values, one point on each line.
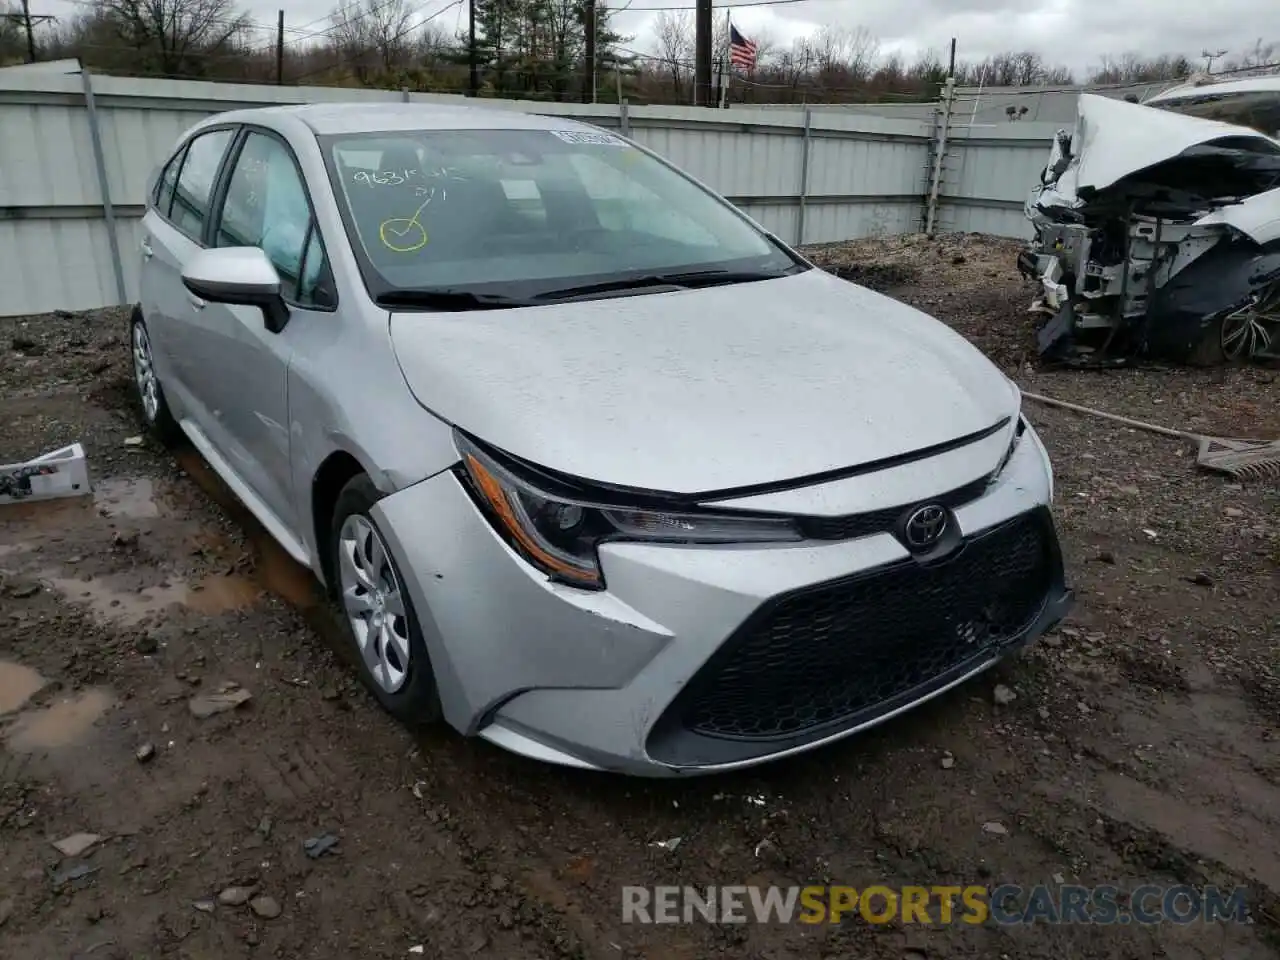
522	212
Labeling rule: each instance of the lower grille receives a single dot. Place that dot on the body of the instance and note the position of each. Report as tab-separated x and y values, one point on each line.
833	654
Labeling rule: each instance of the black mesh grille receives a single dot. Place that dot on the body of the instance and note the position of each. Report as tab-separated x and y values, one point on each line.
881	521
824	656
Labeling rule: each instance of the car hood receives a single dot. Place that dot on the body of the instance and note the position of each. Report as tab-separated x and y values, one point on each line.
704	390
1114	139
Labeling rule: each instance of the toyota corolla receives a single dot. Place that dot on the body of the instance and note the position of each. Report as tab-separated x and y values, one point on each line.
595	467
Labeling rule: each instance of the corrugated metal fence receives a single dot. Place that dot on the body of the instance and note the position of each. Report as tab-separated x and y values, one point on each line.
77	151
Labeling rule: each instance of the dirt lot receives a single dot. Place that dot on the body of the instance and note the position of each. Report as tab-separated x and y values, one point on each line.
1141	744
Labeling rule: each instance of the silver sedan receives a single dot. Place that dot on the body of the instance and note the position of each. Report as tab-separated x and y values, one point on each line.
597	468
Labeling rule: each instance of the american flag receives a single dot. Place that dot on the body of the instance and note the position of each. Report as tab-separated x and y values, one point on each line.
742	52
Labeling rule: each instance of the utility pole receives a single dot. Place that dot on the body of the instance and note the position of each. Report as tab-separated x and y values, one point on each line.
1210	57
28	22
280	49
702	54
473	78
951	65
589	18
723	61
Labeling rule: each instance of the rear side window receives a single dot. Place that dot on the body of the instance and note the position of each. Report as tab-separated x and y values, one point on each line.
164	186
191	195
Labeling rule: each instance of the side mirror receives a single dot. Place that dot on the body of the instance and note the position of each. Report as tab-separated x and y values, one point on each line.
238	275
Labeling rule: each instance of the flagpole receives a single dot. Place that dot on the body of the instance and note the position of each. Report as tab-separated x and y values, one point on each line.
728	62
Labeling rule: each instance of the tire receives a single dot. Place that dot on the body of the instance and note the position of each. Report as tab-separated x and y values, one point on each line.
156	415
406	690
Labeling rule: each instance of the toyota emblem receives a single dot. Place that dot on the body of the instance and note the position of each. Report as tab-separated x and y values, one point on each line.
925	526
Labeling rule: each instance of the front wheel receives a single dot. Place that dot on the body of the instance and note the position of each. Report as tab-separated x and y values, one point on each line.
379	614
1249	331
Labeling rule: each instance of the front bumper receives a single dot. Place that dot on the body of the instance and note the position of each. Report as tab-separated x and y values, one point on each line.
626	679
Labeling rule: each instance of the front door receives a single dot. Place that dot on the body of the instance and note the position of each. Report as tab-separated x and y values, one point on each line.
265	205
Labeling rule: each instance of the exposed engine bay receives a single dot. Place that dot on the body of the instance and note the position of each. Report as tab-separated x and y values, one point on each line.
1157	235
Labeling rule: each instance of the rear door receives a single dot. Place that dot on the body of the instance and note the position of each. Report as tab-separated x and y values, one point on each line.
151	274
174	233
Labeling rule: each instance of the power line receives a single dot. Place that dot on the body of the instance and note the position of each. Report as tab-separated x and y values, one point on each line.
723	6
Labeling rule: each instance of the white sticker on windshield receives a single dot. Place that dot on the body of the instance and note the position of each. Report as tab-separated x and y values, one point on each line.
584	136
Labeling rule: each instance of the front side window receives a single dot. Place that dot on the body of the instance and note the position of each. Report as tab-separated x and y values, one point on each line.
192	193
266	206
523	212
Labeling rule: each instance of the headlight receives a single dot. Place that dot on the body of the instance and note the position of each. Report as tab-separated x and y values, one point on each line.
560	535
1018	430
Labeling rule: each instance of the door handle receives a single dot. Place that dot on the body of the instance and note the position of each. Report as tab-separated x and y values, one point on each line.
196	302
147	252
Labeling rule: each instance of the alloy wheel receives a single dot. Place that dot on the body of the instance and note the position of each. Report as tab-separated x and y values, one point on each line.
1248	332
144	373
374	602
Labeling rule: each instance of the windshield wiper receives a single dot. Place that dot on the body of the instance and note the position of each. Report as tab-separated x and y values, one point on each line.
678	280
447	298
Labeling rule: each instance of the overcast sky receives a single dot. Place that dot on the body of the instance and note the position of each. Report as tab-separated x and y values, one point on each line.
1071	32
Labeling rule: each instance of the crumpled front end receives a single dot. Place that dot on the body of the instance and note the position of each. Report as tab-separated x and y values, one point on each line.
1156	235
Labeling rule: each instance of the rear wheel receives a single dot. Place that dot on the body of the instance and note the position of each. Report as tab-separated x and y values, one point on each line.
378	612
155	409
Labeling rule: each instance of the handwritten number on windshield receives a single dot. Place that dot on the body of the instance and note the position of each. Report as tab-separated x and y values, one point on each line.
384	177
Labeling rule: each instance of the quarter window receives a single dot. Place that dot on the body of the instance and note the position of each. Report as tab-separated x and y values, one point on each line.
266	207
168	179
195	182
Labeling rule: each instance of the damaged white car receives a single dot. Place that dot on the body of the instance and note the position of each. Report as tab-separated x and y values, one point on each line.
1157	230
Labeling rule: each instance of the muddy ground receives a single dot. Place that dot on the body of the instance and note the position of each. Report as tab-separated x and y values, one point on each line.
1141	744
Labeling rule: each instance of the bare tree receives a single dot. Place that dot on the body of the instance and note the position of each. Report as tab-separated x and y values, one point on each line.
174	37
850	52
1261	58
1131	67
675	49
372	36
12	42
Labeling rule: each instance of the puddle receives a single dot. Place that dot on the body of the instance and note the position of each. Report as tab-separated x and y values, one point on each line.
211	595
134	499
40	515
220	594
18	684
274	569
283	575
61	724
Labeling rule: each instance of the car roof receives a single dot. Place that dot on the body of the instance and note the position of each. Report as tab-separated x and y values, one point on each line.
1220	88
339	118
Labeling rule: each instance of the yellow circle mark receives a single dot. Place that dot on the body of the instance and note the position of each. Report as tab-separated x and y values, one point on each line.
403	234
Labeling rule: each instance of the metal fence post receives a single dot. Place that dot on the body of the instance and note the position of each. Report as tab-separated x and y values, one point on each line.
624	116
104	187
939	155
804	174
